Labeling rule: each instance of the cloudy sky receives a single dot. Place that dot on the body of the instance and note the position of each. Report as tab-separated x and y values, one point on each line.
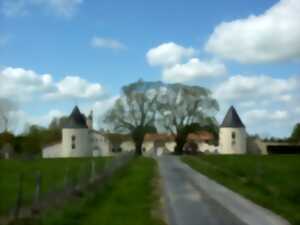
57	53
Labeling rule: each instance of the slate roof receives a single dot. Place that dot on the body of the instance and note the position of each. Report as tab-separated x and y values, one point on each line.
232	119
76	119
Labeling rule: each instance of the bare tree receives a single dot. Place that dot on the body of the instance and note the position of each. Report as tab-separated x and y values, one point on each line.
184	109
177	108
134	112
6	114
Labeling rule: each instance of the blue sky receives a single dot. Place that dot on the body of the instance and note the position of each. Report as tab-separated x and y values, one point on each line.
89	49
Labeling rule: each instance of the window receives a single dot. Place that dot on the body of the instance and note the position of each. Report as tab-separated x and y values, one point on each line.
73	142
233	136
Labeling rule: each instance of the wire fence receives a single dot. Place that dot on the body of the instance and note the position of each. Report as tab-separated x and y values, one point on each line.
87	177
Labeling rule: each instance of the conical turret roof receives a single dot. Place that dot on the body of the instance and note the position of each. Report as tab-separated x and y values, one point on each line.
76	119
232	119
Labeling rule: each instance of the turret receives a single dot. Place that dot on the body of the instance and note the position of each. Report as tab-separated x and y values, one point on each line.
232	134
75	136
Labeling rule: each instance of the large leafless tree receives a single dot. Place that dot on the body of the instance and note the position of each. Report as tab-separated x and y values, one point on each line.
182	106
176	108
134	113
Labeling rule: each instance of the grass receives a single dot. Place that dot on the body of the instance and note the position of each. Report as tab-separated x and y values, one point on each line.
53	173
127	199
270	181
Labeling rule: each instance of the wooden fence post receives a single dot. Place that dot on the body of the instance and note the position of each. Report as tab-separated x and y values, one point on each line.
38	184
19	199
37	194
93	171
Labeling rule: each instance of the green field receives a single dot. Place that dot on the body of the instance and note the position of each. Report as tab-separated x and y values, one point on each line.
271	181
53	173
127	199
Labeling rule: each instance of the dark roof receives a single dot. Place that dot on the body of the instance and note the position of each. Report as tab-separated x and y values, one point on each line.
76	119
232	119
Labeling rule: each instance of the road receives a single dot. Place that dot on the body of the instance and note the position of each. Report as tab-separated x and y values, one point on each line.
193	199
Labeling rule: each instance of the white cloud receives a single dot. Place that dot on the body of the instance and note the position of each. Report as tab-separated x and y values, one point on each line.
65	8
192	70
100	42
100	108
21	84
25	85
260	88
267	105
179	63
45	119
263	115
76	87
169	54
23	119
272	36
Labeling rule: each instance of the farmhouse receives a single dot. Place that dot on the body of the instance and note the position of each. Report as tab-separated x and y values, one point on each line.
79	139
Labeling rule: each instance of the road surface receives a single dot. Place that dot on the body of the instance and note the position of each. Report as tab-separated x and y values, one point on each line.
193	199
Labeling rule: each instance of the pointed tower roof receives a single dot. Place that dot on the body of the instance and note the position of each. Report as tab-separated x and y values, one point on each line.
76	119
232	119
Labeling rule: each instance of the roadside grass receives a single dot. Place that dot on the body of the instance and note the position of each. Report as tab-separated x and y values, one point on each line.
270	181
128	198
53	172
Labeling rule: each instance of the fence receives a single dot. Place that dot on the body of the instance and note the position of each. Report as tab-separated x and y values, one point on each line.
87	178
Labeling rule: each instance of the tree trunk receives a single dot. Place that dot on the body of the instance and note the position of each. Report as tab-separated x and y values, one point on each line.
138	147
180	142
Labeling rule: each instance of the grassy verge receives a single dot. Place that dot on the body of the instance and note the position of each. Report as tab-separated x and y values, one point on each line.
53	173
271	181
127	199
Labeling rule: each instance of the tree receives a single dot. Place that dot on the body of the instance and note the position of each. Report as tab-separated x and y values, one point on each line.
58	123
134	112
180	109
6	109
184	109
295	136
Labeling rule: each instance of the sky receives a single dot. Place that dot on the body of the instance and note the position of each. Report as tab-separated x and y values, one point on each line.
58	53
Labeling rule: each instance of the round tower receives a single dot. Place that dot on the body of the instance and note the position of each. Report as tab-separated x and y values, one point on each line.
75	136
232	134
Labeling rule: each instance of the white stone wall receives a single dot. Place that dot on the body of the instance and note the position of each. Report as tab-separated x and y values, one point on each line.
100	145
207	148
83	142
230	146
148	146
170	146
53	151
150	149
127	146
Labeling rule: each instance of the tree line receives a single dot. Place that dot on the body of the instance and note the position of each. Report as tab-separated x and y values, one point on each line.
34	138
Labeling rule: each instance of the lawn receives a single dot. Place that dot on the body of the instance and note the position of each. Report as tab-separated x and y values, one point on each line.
271	181
53	172
127	199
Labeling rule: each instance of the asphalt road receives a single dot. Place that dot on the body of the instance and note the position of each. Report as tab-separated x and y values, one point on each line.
186	202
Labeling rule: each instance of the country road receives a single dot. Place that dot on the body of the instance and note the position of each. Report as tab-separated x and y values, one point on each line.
193	199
